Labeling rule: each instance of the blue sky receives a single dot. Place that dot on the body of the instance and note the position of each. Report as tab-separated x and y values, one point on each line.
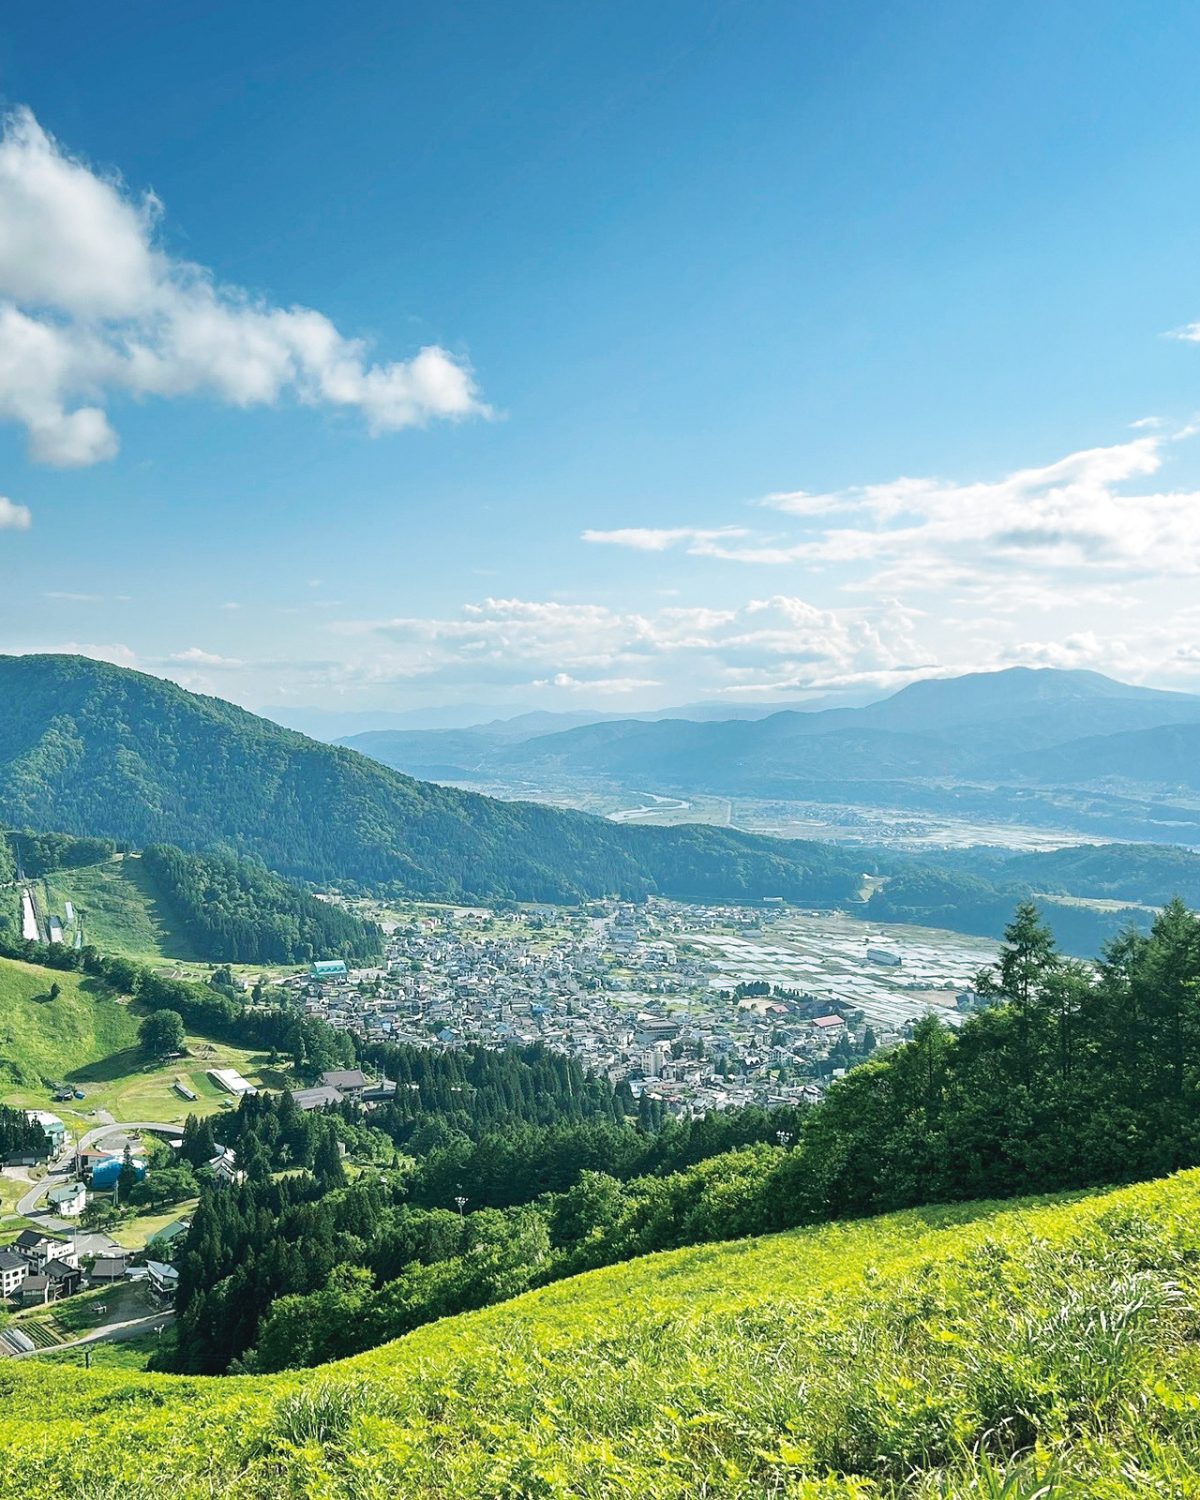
915	272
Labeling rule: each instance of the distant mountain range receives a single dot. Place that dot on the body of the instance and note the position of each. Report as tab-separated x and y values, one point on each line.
90	748
337	726
97	750
937	743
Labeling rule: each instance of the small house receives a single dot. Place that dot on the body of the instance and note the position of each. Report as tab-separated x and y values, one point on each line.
163	1277
224	1166
110	1267
68	1200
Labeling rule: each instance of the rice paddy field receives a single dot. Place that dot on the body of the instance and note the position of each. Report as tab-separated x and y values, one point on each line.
1029	1350
829	955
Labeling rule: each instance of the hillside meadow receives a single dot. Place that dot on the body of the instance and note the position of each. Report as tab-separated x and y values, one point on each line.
88	1036
122	908
44	1038
1030	1349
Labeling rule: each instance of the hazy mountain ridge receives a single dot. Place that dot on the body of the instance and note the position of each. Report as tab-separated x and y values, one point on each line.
938	742
90	748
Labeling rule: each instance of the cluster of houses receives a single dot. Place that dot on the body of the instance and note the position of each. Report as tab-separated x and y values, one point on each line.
620	988
39	1268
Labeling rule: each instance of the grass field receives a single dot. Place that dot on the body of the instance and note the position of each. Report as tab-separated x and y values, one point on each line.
121	909
106	1354
139	1231
1035	1351
124	1085
88	1038
11	1191
41	1038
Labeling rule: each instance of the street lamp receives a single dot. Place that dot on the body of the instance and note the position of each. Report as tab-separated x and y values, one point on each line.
784	1137
461	1200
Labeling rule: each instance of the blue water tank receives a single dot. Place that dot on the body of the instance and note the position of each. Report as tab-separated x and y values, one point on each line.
106	1172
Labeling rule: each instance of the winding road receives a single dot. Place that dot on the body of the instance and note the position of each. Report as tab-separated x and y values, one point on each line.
28	1205
131	1329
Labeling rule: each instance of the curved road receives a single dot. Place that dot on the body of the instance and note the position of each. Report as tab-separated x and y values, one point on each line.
131	1329
28	1204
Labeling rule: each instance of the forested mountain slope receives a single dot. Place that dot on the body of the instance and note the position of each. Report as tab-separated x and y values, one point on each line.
96	749
1032	1349
1165	755
166	903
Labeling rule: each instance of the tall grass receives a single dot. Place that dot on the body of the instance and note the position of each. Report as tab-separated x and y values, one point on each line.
1015	1353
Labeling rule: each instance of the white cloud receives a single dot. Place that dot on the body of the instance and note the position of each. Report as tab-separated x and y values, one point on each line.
14	517
194	656
91	305
1087	516
604	685
118	654
648	539
590	647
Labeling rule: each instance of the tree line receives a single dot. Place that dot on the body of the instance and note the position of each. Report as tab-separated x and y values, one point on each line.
276	1237
237	911
19	1134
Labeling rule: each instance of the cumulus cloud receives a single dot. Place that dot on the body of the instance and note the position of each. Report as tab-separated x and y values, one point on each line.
14	517
1088	515
576	647
92	305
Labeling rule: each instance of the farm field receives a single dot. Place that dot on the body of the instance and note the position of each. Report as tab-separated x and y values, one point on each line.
1038	1348
826	954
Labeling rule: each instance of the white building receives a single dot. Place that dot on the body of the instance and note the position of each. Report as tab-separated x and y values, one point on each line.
68	1199
231	1081
13	1271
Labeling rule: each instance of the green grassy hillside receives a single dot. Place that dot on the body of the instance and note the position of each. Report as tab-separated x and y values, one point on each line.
1019	1350
121	907
42	1038
89	1037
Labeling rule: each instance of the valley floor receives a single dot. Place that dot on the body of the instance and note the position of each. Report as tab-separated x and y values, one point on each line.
1033	1349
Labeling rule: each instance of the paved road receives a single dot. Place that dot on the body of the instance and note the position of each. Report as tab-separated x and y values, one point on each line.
27	1205
132	1328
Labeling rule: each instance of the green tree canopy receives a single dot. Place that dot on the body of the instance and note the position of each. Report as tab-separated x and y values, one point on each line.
162	1032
